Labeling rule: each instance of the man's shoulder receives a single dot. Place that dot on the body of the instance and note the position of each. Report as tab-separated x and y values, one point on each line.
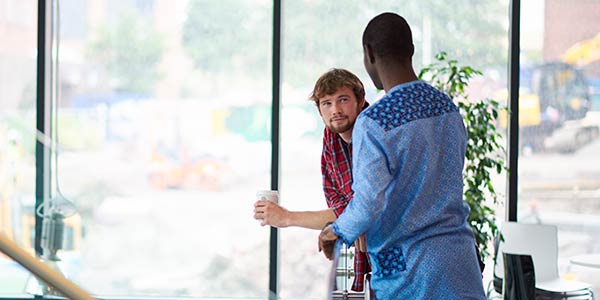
406	103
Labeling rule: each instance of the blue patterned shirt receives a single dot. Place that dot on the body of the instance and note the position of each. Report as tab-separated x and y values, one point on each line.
408	156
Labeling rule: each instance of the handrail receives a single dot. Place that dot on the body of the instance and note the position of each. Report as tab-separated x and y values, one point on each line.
42	271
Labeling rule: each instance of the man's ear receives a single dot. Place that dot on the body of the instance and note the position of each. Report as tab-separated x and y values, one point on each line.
369	53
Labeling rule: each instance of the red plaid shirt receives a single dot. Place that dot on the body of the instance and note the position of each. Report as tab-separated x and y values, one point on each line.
336	168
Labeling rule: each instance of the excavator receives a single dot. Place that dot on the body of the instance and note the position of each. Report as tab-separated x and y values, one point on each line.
555	101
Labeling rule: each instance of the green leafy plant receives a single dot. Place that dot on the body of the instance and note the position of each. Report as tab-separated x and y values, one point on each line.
484	154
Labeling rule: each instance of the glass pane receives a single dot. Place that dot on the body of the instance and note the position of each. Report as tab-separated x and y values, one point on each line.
319	35
164	130
18	28
559	166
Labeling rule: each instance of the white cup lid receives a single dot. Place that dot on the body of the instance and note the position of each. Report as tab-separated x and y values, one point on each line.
268	195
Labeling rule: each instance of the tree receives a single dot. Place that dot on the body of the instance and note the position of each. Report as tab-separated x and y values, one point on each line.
130	51
466	29
325	34
229	36
233	37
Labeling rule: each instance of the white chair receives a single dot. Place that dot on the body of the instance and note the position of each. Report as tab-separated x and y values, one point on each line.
541	242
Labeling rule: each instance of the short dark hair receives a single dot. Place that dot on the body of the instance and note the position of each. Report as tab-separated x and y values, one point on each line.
334	79
389	36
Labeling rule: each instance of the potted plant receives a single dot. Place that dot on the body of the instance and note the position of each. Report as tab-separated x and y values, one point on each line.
484	154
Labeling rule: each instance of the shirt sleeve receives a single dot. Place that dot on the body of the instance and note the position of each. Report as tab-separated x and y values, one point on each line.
371	174
334	201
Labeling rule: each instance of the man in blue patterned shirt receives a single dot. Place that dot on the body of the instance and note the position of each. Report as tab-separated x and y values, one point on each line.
408	156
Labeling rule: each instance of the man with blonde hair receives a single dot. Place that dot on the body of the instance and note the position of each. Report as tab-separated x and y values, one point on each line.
339	97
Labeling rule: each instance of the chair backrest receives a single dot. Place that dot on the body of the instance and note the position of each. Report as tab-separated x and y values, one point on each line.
519	277
538	240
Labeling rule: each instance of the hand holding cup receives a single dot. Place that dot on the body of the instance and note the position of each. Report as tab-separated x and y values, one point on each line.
268	211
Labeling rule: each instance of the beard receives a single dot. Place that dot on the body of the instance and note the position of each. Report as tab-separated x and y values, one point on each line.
341	128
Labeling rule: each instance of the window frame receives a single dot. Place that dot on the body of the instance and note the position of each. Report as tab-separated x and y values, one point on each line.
43	90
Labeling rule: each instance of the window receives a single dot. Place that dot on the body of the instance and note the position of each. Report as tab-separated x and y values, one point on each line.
559	173
17	134
319	35
164	131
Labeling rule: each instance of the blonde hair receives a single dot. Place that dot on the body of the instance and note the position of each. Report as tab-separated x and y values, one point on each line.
334	79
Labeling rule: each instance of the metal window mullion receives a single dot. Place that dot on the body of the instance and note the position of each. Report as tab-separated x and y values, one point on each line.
275	110
513	108
43	90
42	151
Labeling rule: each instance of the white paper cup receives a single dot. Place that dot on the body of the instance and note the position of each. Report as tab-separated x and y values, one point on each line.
268	195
